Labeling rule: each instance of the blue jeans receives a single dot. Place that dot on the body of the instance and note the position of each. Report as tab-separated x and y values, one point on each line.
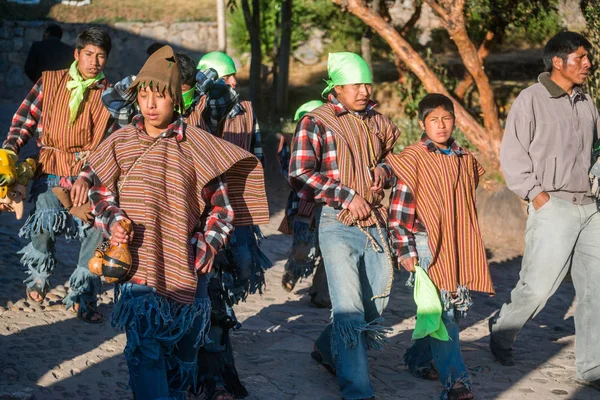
355	273
445	354
47	220
163	338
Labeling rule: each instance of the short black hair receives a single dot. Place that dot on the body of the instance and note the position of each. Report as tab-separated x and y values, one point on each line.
153	47
94	36
561	45
54	30
187	69
433	101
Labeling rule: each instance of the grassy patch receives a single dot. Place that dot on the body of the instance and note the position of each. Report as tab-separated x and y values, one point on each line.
108	11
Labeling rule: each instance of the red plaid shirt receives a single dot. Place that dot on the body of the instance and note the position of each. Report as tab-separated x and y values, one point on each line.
313	171
218	213
26	121
403	221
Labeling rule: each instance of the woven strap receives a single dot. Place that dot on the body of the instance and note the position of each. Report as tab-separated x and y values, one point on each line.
378	248
136	163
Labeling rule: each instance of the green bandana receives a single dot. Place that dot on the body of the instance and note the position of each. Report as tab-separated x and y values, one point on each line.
429	308
218	61
306	108
188	98
78	86
346	68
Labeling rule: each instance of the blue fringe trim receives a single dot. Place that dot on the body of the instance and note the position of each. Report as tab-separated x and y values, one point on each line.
239	290
150	320
463	378
51	220
84	289
460	300
186	375
39	266
349	330
305	242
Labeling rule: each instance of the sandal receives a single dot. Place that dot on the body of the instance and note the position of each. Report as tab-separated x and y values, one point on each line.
36	289
288	282
460	393
428	373
316	355
89	316
222	394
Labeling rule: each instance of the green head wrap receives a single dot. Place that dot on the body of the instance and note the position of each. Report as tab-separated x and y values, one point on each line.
346	68
306	108
218	61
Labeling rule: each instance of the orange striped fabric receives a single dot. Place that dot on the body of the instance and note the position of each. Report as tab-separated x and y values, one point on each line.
361	143
195	118
60	140
239	130
163	197
444	189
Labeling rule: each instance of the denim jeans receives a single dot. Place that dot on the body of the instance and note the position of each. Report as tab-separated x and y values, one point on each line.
355	272
445	354
47	220
163	338
559	236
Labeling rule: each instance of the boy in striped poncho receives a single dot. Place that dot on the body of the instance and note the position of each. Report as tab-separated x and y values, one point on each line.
64	113
433	223
174	182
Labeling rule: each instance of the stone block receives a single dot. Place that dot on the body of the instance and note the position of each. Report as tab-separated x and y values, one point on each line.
19	31
18	43
5	32
17	58
6	45
15	77
158	32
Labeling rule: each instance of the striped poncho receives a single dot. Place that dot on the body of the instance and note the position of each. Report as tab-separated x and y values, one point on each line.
444	191
163	197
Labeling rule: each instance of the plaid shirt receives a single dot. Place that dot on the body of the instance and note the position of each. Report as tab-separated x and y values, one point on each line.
219	102
257	149
313	171
218	213
403	221
26	121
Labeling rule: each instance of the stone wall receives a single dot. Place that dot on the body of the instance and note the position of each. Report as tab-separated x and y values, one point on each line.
129	41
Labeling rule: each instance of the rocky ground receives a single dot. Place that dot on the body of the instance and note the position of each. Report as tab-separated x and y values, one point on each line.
47	353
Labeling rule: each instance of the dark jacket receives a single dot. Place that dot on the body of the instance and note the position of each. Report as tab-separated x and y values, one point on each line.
48	55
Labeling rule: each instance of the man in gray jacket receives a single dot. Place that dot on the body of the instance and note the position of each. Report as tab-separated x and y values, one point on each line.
546	157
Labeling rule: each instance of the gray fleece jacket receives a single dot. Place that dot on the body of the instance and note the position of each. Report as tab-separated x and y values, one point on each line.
547	142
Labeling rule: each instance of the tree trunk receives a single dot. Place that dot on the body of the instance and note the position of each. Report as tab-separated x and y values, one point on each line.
284	57
472	129
410	24
365	48
452	16
252	19
482	53
221	26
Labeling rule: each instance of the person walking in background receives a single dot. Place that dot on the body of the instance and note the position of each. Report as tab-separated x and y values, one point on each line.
545	156
433	225
49	54
299	221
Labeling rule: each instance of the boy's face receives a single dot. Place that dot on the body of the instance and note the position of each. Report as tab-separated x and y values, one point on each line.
438	126
91	60
354	97
156	107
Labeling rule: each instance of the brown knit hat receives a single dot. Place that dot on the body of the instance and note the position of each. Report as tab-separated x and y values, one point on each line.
162	73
